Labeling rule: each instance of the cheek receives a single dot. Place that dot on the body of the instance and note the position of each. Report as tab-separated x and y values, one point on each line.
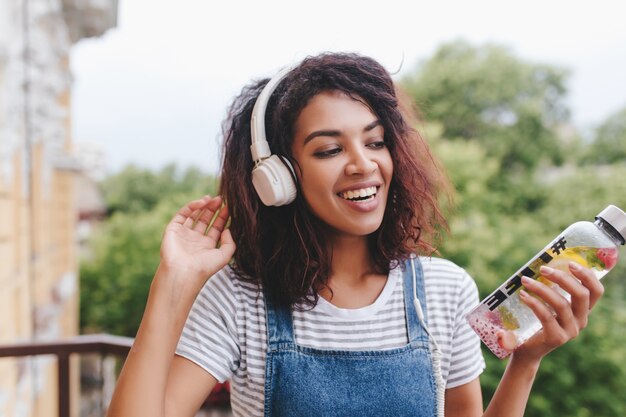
389	167
316	183
386	166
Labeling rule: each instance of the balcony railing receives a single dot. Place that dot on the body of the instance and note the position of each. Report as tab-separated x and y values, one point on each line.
103	344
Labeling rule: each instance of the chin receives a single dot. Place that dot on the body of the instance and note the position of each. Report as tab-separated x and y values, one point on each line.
364	230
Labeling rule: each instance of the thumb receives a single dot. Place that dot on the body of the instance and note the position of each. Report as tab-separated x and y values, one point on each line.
227	244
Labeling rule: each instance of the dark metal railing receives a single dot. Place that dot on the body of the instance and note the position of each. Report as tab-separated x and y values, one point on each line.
102	343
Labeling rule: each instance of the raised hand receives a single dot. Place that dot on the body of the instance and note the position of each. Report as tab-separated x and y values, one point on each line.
196	241
562	320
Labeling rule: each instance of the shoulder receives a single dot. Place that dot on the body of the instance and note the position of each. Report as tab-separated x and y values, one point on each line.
443	272
447	285
228	277
229	287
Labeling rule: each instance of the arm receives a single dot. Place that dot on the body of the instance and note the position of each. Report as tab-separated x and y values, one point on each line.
153	381
188	386
465	400
512	394
509	400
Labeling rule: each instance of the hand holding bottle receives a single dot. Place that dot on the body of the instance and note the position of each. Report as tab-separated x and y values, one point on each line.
561	317
509	316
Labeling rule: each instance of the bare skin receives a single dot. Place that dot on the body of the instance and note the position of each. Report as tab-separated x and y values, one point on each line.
357	286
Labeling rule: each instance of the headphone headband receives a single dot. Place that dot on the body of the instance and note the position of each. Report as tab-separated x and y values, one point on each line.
259	147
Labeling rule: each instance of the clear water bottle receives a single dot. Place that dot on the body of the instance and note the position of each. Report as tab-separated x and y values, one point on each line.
503	321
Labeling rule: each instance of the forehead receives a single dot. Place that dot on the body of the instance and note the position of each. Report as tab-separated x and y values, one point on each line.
336	110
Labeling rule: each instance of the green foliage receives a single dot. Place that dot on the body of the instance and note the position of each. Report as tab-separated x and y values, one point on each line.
581	193
488	95
115	283
135	190
477	240
610	142
116	277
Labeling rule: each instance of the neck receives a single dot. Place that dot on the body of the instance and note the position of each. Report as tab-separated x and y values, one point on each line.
353	280
351	258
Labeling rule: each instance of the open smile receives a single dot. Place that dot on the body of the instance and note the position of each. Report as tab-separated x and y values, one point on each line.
361	194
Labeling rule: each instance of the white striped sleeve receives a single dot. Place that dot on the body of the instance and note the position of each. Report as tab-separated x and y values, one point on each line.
209	337
467	361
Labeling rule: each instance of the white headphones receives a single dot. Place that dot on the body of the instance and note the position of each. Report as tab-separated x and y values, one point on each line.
272	175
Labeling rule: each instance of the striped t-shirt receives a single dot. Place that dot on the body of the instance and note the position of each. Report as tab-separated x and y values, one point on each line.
226	335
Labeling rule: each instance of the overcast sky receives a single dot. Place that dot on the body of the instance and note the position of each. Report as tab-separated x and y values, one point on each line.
155	89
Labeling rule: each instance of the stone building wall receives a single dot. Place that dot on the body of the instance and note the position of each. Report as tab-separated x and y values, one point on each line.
38	248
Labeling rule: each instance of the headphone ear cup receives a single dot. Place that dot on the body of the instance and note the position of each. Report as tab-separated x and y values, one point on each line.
273	180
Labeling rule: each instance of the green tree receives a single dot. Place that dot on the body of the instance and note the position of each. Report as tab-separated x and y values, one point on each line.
487	94
135	189
116	279
609	145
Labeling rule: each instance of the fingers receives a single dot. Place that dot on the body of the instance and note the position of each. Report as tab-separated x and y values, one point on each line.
562	320
216	226
227	245
197	210
553	311
578	292
200	219
588	278
208	215
190	221
186	211
507	339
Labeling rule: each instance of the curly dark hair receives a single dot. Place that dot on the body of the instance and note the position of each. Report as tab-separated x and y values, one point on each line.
284	248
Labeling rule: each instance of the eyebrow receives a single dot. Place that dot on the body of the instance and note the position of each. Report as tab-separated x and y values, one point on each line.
335	133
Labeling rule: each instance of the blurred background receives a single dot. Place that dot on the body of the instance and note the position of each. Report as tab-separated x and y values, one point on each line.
110	119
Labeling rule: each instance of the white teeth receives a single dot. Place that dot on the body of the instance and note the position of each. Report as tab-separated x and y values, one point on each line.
362	193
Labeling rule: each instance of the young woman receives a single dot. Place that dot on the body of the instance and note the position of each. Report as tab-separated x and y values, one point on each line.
324	309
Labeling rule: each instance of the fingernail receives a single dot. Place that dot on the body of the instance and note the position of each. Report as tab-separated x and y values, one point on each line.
575	266
546	270
523	294
526	280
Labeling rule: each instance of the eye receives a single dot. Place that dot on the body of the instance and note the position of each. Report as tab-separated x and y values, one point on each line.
379	144
327	153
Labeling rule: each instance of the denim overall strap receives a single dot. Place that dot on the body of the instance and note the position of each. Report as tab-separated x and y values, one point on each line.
279	325
308	382
416	331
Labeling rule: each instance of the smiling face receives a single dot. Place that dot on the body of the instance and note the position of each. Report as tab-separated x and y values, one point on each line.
344	167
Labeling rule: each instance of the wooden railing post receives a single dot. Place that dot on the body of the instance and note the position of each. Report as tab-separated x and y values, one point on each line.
63	361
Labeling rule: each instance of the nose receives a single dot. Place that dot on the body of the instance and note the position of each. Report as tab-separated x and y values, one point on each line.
360	162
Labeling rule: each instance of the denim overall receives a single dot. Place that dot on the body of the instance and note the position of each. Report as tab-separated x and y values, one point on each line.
302	381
